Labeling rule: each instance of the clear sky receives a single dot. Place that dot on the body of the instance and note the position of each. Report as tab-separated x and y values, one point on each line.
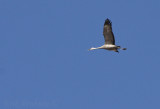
45	62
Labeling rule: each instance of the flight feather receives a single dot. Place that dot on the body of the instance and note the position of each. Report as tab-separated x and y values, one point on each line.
107	32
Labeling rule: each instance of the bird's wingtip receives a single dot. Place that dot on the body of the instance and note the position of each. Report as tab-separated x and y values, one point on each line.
108	22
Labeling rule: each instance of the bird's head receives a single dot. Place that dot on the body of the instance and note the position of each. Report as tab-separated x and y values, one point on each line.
91	49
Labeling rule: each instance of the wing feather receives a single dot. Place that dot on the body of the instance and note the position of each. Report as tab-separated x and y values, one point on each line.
107	32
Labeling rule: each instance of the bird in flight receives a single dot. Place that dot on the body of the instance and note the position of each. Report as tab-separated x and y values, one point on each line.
109	38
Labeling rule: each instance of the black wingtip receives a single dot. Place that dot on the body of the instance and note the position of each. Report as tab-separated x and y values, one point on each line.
108	22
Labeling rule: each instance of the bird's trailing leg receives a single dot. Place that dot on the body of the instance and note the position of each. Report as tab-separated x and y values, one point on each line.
119	47
123	48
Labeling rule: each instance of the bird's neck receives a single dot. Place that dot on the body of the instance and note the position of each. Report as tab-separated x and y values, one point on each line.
95	48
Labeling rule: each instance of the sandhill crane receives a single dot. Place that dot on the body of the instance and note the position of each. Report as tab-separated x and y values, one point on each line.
109	38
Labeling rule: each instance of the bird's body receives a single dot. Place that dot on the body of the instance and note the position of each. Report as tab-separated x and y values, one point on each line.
109	38
107	47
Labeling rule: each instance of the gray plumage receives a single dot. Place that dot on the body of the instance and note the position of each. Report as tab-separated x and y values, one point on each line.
107	32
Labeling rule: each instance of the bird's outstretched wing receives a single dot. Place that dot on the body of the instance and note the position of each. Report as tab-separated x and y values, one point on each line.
107	32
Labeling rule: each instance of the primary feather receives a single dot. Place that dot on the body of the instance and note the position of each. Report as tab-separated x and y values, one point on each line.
107	32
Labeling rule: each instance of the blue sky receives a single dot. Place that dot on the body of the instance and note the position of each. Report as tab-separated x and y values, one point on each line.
45	62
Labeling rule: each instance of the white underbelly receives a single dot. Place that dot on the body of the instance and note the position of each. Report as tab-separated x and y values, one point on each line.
110	46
